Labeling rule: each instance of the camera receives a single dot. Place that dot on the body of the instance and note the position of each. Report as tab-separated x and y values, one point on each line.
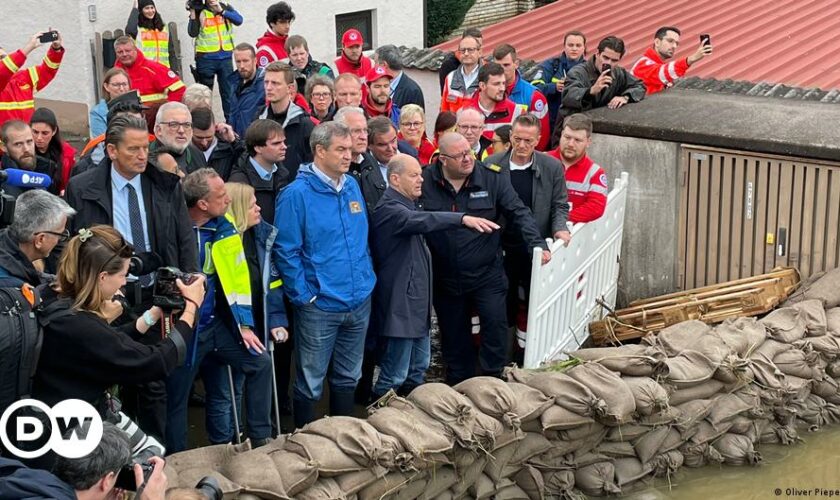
126	480
166	294
209	487
197	5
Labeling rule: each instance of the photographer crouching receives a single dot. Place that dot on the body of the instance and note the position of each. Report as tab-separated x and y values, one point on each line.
83	355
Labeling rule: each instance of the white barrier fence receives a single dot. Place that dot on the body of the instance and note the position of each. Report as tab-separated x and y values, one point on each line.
564	292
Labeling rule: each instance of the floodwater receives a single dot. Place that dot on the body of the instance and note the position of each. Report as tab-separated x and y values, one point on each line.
805	470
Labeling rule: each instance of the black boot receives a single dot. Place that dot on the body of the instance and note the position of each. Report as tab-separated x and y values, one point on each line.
365	385
256	443
342	404
304	412
405	390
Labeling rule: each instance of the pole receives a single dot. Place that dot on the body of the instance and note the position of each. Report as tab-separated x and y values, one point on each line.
233	405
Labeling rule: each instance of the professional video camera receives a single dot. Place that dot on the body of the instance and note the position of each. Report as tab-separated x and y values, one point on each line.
22	179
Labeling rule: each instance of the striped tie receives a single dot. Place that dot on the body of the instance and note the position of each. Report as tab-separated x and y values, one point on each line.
138	237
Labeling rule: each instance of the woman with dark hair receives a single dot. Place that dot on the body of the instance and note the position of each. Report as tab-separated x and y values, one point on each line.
501	140
83	356
146	27
48	144
114	84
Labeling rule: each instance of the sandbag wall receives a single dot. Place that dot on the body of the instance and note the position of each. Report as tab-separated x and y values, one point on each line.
598	425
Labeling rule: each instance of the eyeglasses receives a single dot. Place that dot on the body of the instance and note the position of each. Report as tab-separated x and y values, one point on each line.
174	126
469	50
459	157
412	124
321	95
474	128
121	85
62	236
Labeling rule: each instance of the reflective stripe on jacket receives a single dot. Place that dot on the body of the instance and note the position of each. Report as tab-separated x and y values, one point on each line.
216	34
154	44
17	99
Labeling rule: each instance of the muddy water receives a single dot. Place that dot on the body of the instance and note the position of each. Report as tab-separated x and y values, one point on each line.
807	470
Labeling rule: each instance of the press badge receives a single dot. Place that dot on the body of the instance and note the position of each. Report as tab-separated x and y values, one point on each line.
478	194
355	207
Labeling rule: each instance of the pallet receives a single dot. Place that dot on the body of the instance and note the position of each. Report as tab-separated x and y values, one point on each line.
712	304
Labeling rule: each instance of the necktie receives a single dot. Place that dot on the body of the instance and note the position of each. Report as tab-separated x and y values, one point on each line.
138	237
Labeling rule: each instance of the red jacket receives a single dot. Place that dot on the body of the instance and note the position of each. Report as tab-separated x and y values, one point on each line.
586	183
531	100
503	114
17	99
68	160
10	65
656	74
426	150
271	47
360	69
153	81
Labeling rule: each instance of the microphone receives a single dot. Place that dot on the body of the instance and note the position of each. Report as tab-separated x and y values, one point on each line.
24	178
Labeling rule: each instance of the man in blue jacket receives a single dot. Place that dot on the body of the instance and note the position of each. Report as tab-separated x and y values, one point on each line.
323	257
551	77
247	88
403	295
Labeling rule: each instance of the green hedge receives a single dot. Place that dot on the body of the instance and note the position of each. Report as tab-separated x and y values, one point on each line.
444	16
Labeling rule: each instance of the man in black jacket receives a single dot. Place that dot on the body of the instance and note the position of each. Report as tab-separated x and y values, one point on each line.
402	298
174	133
262	168
599	82
404	90
296	122
20	153
382	141
218	142
468	269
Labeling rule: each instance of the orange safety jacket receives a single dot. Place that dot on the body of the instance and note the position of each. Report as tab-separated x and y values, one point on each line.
17	99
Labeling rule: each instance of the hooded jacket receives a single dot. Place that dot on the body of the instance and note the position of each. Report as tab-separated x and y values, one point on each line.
391	111
19	481
271	47
17	99
298	127
344	65
322	249
153	81
15	266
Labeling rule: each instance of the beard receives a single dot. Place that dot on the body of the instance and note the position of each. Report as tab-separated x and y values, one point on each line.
25	162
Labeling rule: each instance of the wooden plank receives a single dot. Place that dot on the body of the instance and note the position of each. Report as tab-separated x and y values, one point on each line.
714	220
781	273
748	226
784	216
726	215
691	234
821	208
738	174
773	202
807	247
760	214
683	221
701	261
795	229
833	226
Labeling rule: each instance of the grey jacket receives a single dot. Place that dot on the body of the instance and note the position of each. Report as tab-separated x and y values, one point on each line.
549	199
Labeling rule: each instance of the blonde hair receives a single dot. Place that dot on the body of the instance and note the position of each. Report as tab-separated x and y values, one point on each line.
240	203
198	95
103	251
411	110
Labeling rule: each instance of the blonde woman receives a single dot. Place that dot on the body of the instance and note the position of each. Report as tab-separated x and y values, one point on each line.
413	131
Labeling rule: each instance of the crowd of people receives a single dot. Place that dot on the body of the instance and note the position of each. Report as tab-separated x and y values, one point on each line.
317	224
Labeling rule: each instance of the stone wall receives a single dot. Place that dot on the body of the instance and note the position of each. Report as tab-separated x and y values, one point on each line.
487	12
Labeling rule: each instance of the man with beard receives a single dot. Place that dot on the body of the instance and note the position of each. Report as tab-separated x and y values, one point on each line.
352	59
247	88
378	101
490	99
585	179
216	141
20	153
652	69
174	132
348	91
296	122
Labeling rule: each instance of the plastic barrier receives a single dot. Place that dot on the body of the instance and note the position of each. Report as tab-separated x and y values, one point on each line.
564	292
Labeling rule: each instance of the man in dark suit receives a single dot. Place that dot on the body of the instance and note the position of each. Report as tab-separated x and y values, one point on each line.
403	294
404	90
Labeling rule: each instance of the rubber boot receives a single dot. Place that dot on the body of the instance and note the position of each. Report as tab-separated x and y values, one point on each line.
405	390
342	404
365	386
304	412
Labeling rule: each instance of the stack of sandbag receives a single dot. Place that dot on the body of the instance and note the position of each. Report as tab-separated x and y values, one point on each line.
599	424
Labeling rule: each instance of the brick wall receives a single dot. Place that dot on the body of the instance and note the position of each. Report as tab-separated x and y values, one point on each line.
487	12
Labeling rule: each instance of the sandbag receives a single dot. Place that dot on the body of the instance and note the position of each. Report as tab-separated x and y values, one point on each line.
498	461
296	472
824	287
530	403
581	432
608	386
531	445
354	482
324	489
648	445
412	490
511	492
392	483
558	483
597	479
786	324
828	346
633	360
210	457
620	449
359	440
705	432
814	316
531	481
415	435
626	433
736	450
328	458
493	397
794	362
666	464
679	337
832	321
256	473
470	474
704	390
826	388
440	480
569	393
741	335
726	407
649	396
699	455
630	470
691	413
689	368
559	418
450	408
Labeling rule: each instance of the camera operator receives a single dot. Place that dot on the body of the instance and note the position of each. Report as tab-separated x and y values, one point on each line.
92	477
83	355
225	331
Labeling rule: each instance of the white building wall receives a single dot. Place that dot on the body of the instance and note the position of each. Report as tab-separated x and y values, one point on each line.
400	23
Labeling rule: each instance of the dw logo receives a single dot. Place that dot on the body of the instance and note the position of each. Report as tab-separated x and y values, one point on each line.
75	428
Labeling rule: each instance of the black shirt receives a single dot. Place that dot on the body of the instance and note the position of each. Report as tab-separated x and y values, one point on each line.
523	184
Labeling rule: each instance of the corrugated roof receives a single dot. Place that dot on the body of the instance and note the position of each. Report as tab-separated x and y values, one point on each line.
792	42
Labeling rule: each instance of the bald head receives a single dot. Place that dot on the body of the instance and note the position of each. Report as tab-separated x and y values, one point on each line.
451	143
405	175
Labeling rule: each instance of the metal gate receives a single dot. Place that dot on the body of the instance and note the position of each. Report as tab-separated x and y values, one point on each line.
743	214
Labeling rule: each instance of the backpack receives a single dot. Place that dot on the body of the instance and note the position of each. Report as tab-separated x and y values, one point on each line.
20	341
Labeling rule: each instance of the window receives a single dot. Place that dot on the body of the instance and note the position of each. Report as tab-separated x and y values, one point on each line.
361	20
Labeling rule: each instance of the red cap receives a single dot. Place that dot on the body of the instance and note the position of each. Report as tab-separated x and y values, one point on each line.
352	37
377	72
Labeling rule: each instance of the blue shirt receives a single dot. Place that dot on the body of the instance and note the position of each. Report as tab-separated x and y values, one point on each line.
263	173
395	82
384	170
119	197
328	180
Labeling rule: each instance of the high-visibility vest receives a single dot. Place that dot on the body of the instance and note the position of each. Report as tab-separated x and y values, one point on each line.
154	44
215	35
